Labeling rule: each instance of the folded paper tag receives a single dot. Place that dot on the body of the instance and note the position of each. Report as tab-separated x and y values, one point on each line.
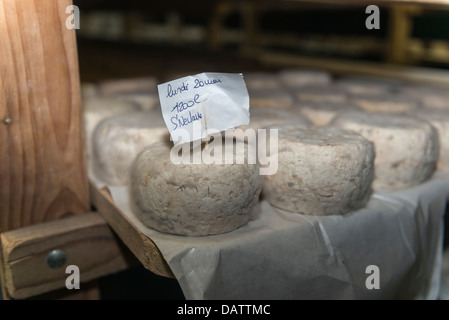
196	106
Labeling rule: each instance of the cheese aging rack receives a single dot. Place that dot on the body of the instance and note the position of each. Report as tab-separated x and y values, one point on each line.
48	206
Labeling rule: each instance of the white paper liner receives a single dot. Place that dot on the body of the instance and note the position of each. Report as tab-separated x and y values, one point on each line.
282	255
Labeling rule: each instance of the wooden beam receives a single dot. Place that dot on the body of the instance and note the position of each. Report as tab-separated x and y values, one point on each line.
86	240
42	173
400	27
143	247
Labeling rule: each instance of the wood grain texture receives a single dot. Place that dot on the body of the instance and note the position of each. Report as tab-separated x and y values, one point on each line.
42	172
140	245
86	239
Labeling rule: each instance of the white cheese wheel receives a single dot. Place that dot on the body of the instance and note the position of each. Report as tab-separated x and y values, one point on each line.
321	114
407	148
318	94
321	171
271	98
95	110
113	87
192	199
117	141
264	117
299	78
387	103
440	120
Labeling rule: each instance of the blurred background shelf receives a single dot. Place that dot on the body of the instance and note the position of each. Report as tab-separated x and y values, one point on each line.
411	32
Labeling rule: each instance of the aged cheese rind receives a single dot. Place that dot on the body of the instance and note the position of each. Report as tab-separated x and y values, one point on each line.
192	199
440	120
407	148
117	141
321	171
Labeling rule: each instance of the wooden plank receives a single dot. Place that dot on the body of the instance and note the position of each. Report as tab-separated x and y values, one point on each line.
42	172
87	240
143	247
89	291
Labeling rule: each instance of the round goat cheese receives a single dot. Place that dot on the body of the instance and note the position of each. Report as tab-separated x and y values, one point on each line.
117	140
440	120
407	148
321	171
94	110
193	199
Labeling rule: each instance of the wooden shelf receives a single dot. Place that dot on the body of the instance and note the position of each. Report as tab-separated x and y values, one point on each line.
143	247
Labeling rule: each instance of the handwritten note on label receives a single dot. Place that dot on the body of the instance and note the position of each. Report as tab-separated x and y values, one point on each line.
196	106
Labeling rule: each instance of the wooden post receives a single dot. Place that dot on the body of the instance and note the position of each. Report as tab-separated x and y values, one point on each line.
399	32
42	170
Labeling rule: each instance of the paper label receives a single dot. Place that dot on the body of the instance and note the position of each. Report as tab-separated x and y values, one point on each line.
196	106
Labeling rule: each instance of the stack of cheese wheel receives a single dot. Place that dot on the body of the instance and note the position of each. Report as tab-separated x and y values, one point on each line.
140	91
321	171
330	94
299	78
407	148
321	114
440	120
117	140
194	199
388	103
95	110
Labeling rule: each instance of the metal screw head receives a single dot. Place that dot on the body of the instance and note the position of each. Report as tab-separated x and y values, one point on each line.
7	120
56	259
